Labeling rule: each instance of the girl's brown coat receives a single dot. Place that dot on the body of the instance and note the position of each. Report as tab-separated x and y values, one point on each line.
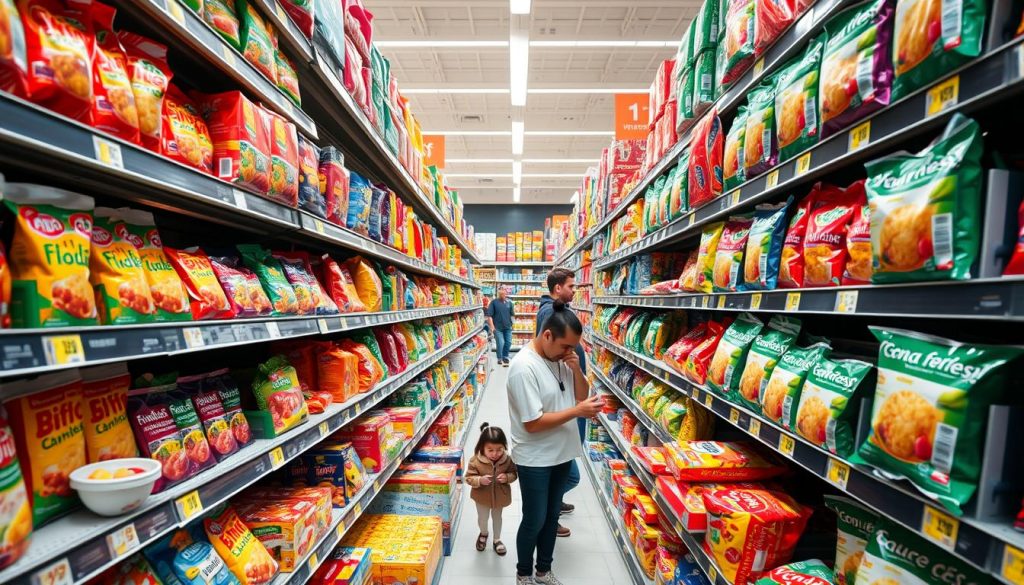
496	495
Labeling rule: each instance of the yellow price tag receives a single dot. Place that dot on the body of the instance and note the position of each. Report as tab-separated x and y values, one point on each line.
679	527
838	473
803	164
276	457
712	574
693	218
318	226
174	9
341	529
772	180
846	301
734	416
735	196
786	445
721	301
313	562
708	399
229	55
107	152
58	573
755	427
1012	567
942	95
792	301
704	302
860	136
359	508
64	349
281	14
376	485
324	428
940	527
758	68
189	505
755	301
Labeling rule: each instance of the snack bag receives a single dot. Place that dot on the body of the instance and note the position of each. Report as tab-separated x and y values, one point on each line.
771	17
60	65
241	149
299	271
205	293
231	399
210	410
931	39
241	286
277	391
108	434
116	273
310	197
287	79
113	108
688	278
15	507
698	361
301	13
796	101
765	351
338	372
731	353
761	147
271	275
335	185
703	81
705	29
360	195
705	165
50	257
221	16
856	524
781	393
193	436
827	410
199	564
764	246
708	252
255	40
367	283
928	418
158	436
718	461
150	76
733	169
926	208
825	240
901	555
48	448
244	554
811	572
185	137
284	161
679	201
340	286
791	263
13	61
729	255
738	40
856	71
170	297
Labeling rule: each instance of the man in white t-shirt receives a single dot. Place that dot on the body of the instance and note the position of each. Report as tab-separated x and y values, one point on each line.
547	391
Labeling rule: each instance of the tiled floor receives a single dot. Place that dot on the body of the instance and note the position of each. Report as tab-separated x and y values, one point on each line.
587	557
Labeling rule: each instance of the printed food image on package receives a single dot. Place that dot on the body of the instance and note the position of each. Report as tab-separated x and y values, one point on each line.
856	525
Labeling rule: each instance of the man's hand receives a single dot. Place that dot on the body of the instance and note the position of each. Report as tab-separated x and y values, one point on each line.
485	480
572	359
502	478
590	407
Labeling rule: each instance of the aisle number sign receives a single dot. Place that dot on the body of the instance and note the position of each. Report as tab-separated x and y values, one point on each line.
433	150
632	116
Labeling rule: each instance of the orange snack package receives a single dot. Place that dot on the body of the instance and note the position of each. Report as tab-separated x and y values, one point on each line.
241	152
205	293
108	434
243	553
718	461
367	283
284	160
116	273
338	372
699	359
340	286
59	51
369	370
13	65
113	107
185	137
150	76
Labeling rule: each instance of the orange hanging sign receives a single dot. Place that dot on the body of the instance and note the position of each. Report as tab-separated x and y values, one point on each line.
632	113
433	150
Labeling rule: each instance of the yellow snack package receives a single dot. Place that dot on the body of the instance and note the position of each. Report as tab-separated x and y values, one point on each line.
116	273
706	254
108	434
15	511
46	419
50	257
170	296
243	553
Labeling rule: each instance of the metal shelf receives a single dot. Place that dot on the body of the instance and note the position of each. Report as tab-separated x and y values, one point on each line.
629	402
518	264
29	351
995	76
983	544
77	546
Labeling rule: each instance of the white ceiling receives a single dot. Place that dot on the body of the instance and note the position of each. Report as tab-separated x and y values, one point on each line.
449	69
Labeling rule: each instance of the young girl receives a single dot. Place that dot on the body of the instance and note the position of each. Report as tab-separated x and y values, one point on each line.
490	473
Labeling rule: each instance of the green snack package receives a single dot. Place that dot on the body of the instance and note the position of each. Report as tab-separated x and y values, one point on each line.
256	45
856	525
272	278
932	38
737	39
760	145
810	572
926	208
708	250
277	391
774	341
731	353
652	334
659	405
672	417
733	172
782	391
677	204
685	104
827	412
636	330
221	16
169	294
897	555
705	28
704	81
684	55
764	246
796	102
930	409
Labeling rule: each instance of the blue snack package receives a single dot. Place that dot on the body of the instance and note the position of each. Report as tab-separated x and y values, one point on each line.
199	564
360	196
764	247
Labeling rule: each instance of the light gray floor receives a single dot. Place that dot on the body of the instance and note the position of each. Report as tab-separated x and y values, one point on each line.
587	557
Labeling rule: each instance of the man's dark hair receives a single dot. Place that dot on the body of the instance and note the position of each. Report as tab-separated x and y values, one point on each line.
558	276
560	320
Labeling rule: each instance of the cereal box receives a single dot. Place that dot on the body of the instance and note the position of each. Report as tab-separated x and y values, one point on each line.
405	419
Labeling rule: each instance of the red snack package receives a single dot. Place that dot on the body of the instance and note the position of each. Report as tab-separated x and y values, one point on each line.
401	346
858	241
697	362
707	150
353	78
1016	263
184	136
340	286
150	76
388	350
241	286
13	63
157	436
825	241
791	264
680	350
302	355
241	149
210	410
59	49
284	160
113	108
206	296
310	295
334	184
771	17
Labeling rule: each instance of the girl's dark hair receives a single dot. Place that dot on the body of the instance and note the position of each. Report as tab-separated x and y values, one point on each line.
490	435
560	320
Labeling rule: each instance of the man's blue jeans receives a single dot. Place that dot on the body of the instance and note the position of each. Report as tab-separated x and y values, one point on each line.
574	471
503	337
542	489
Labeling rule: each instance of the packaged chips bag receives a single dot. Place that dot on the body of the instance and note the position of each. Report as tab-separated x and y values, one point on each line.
310	198
157	435
930	408
896	553
221	16
206	296
244	554
705	165
824	246
241	148
932	38
150	76
277	391
367	283
59	53
707	253
765	351
360	195
114	110
856	71
116	273
731	353
241	286
791	263
193	435
771	17
231	400
761	144
200	561
287	79
810	572
211	412
185	137
858	246
737	45
719	461
697	363
108	434
50	257
272	277
170	297
255	40
733	169
726	272
340	286
764	246
856	525
13	66
926	208
299	272
796	101
826	414
335	185
284	161
781	393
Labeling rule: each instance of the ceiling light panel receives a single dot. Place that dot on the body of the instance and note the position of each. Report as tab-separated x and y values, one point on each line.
518	131
439	44
519	67
519	6
618	44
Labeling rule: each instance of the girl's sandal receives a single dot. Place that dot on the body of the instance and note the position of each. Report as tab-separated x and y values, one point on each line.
499	548
481	542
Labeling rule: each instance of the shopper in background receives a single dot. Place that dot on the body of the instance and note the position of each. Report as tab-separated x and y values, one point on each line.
490	472
547	391
562	287
499	317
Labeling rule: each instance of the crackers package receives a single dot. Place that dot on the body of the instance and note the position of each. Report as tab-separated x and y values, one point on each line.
781	394
724	372
856	525
718	461
897	555
765	351
826	414
932	38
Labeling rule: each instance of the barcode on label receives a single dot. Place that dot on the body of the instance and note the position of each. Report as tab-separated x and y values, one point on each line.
766	142
810	112
830	434
705	83
942	239
865	77
224	168
951	14
787	407
734	271
945	445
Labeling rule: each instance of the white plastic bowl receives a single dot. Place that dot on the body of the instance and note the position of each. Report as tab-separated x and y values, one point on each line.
113	497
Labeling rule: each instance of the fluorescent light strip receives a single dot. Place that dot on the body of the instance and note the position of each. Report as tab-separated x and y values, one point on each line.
517	172
602	44
501	91
516	195
478	160
426	44
586	90
519	6
524	187
469	133
519	66
515	165
565	133
559	160
518	129
462	90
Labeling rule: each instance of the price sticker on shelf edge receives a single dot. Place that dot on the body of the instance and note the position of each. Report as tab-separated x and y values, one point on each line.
942	96
108	152
860	136
755	301
772	180
721	302
273	330
704	301
709	400
755	427
281	14
176	11
939	527
276	457
58	573
324	429
758	68
793	301
64	349
190	505
318	226
734	416
803	164
786	444
239	197
229	55
736	197
314	562
193	337
1012	566
123	540
712	574
846	301
838	473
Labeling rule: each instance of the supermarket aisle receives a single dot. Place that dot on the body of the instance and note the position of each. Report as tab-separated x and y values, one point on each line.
588	556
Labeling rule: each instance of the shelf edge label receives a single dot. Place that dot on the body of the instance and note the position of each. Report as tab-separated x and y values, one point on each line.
942	96
838	473
860	136
787	445
107	151
123	540
940	528
64	349
58	573
190	505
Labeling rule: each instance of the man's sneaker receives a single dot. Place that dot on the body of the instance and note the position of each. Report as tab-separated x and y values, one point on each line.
546	579
525	580
563	531
566	509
